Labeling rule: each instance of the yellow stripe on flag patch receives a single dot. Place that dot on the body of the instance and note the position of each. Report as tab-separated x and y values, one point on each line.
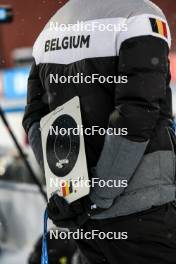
160	27
67	188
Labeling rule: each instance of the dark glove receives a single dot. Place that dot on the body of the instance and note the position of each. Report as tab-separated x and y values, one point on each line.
71	215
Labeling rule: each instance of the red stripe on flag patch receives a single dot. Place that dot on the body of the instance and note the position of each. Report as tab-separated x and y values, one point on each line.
165	29
63	185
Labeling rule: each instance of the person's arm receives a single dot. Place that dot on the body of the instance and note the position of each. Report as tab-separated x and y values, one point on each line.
143	57
36	108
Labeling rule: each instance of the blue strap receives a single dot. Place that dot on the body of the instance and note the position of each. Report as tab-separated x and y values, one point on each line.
44	257
174	126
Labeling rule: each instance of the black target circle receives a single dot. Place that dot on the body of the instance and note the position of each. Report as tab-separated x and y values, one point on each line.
62	144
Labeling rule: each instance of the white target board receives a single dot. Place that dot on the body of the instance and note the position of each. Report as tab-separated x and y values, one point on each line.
64	152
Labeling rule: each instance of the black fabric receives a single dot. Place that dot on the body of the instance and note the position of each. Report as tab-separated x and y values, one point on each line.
145	61
37	101
59	251
151	238
71	215
63	214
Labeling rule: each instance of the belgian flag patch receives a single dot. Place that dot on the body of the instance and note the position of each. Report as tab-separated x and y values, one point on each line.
67	188
159	27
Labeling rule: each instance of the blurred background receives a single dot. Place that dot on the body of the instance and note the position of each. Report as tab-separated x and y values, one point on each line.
21	204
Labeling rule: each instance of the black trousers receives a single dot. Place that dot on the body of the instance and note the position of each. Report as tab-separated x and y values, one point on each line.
151	238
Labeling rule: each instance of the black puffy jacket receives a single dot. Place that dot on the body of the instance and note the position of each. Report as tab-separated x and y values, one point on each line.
143	105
